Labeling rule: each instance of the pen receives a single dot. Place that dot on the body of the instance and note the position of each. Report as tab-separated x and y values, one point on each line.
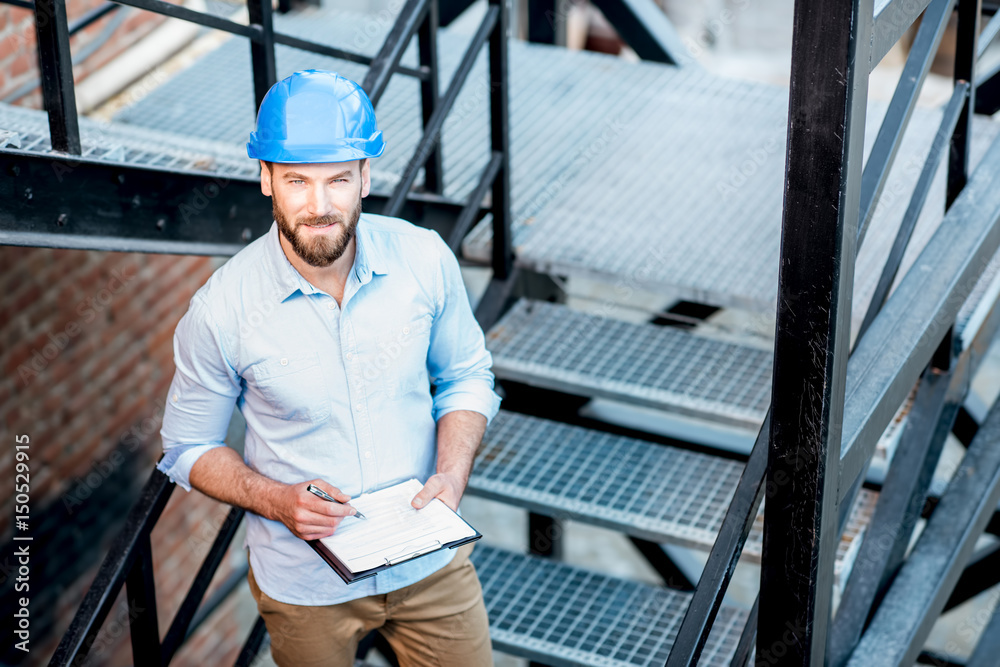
316	491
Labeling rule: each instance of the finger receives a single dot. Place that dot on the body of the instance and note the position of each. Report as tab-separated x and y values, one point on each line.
315	532
428	493
337	494
327	510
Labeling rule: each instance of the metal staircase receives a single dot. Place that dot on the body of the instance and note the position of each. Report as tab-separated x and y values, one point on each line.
649	178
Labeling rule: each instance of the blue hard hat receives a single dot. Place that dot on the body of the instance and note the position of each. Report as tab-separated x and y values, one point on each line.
315	116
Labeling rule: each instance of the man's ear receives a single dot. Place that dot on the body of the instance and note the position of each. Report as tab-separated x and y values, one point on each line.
366	177
265	179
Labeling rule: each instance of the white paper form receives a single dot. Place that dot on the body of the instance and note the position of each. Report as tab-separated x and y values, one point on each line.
394	530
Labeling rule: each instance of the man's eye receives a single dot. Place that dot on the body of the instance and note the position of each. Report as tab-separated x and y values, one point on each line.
297	181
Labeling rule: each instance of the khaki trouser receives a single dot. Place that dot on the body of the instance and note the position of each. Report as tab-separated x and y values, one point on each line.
439	621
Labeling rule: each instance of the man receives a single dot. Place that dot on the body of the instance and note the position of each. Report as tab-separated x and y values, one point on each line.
327	333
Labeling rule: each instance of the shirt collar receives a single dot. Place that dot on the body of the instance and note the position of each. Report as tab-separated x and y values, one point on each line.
368	261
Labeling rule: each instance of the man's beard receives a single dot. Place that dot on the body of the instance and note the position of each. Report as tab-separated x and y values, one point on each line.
322	250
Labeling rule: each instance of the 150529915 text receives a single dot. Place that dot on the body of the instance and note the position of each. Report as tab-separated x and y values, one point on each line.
22	551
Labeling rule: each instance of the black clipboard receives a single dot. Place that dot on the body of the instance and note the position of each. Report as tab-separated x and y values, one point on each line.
350	577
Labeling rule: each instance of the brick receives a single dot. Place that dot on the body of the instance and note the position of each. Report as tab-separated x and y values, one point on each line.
24	63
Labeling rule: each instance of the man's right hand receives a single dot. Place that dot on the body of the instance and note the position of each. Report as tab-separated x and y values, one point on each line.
308	516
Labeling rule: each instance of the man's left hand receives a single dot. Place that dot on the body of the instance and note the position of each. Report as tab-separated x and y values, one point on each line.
449	488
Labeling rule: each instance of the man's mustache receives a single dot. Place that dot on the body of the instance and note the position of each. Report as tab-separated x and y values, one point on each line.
321	220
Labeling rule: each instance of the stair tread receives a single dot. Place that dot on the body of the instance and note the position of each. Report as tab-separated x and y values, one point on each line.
656	492
659	493
564	615
551	345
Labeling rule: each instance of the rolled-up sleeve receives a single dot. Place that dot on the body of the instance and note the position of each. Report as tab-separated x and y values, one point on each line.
202	394
458	357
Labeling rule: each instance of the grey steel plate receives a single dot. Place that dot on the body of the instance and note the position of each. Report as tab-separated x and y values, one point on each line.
659	493
562	615
550	345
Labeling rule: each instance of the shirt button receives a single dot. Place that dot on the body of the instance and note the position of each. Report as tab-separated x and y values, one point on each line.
359	408
368	455
175	398
284	362
349	356
406	330
332	305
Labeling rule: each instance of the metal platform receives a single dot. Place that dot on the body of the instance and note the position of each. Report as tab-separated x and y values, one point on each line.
658	493
562	615
687	219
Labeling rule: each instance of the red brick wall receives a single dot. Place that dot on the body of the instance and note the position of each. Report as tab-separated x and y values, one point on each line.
18	61
86	351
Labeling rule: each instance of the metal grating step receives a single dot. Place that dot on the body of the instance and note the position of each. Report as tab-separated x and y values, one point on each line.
562	615
659	493
552	346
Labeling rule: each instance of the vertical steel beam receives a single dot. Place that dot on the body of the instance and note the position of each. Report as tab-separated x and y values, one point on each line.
140	589
427	46
262	48
55	67
966	52
542	19
545	536
828	93
503	253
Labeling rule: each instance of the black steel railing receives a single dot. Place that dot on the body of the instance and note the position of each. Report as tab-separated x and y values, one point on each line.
129	563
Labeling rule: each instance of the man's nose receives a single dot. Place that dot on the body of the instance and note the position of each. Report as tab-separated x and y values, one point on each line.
319	202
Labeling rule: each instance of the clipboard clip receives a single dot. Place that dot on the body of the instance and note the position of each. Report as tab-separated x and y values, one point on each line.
419	551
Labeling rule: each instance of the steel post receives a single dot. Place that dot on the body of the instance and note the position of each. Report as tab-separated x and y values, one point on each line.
55	68
827	101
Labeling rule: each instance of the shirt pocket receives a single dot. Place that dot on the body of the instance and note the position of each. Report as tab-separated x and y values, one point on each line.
295	387
402	355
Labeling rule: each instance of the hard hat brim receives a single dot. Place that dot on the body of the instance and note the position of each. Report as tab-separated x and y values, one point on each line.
344	150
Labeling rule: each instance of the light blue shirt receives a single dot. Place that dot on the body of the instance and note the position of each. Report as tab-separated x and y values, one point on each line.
340	393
